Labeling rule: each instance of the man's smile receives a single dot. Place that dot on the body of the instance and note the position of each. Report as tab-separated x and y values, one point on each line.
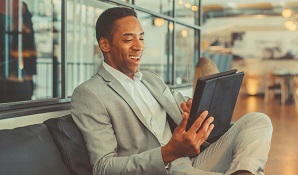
137	58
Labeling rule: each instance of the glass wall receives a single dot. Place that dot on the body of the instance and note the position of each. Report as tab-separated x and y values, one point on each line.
162	7
185	54
83	53
187	11
32	36
157	55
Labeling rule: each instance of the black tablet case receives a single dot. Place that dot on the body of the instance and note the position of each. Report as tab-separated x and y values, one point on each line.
218	94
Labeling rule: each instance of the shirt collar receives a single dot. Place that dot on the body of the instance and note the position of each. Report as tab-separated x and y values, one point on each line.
121	77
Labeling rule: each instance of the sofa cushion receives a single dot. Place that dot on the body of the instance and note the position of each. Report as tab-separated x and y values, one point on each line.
71	144
30	150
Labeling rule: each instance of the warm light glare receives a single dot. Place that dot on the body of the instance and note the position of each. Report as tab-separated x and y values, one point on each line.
171	26
159	21
286	13
184	33
252	87
216	48
252	104
194	8
260	16
290	25
180	2
293	27
187	5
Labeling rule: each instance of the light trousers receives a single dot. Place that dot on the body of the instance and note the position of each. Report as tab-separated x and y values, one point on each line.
245	146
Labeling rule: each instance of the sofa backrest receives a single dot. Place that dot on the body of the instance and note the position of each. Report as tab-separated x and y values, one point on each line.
30	150
70	143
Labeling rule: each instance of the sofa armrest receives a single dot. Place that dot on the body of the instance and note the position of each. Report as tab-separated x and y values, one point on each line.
71	144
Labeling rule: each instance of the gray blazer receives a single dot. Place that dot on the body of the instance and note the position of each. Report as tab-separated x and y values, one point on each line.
117	136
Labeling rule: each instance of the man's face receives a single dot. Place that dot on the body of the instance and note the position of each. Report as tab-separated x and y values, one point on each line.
126	48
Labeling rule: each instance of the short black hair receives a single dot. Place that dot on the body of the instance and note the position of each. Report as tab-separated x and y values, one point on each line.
106	21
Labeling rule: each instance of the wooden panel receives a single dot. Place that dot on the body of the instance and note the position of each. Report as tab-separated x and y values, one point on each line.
254	6
212	7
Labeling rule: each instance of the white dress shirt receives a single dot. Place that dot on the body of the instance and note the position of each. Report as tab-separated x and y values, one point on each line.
153	112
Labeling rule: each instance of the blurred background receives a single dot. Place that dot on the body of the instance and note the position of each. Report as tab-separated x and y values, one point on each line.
48	47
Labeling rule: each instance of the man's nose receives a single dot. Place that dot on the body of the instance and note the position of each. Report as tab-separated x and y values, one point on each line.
138	45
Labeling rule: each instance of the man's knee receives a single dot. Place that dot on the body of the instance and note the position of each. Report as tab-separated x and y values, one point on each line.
260	119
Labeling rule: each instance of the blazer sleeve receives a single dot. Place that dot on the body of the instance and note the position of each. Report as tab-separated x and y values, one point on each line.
91	116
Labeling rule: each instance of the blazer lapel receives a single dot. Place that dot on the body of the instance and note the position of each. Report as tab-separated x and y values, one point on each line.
117	87
167	102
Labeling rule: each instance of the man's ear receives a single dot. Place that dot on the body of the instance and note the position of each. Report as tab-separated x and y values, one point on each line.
104	44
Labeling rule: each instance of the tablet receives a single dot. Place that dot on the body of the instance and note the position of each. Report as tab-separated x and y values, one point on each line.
216	93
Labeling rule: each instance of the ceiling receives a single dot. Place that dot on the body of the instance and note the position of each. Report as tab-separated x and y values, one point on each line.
218	8
233	14
250	3
221	15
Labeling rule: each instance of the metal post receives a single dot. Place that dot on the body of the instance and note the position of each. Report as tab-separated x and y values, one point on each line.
20	49
173	45
54	56
63	48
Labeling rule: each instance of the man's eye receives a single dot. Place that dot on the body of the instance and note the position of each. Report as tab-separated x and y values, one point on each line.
127	40
142	39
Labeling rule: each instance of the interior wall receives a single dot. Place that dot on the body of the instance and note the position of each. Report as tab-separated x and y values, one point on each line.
256	70
264	44
11	123
267	44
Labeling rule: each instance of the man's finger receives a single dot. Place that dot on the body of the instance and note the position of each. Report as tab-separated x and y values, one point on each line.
181	127
206	129
189	103
206	124
210	128
196	125
186	106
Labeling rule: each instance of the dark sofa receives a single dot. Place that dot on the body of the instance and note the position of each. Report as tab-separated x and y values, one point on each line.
55	147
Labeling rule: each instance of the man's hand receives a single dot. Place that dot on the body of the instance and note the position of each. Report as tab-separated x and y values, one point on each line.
187	143
186	106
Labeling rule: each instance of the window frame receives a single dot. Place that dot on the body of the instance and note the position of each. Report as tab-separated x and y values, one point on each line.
21	108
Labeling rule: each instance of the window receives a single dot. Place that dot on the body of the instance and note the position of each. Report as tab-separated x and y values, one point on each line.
29	50
187	11
185	54
83	53
157	55
162	7
171	38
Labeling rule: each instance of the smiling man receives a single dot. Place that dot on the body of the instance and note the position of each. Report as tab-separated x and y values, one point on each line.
125	114
126	44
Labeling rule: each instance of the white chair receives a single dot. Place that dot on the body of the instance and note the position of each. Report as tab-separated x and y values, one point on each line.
274	83
295	89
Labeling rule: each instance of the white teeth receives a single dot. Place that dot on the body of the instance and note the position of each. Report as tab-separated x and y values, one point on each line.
135	57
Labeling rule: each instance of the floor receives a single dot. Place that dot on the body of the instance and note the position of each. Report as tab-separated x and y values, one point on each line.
283	156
